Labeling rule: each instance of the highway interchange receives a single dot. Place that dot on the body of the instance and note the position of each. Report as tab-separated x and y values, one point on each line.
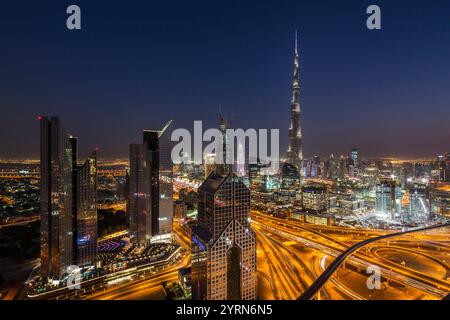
291	255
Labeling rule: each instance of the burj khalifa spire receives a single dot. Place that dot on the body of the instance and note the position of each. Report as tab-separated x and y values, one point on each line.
294	152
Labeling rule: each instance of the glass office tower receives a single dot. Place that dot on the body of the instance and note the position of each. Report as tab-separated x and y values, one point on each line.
139	203
87	212
158	146
56	199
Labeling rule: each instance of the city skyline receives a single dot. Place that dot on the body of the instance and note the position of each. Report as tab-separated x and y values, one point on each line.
240	153
349	74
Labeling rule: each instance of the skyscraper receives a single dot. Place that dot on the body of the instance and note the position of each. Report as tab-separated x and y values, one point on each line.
139	202
86	218
388	196
418	205
158	146
294	153
240	167
355	157
74	145
84	207
290	178
150	206
55	199
443	162
224	167
440	199
209	163
223	243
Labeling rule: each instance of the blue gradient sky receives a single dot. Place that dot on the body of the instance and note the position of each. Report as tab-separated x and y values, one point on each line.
136	64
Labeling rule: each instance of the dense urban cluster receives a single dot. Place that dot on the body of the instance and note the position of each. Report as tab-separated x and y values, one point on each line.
203	230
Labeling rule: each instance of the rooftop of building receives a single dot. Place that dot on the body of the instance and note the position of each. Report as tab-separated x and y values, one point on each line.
213	183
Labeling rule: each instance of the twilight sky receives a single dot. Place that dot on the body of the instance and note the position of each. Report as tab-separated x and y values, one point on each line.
136	64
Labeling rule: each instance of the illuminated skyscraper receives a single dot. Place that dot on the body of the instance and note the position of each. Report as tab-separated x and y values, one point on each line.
257	175
223	244
224	167
74	146
294	153
209	163
84	207
139	206
418	204
355	157
388	196
56	199
158	146
332	168
290	178
86	218
240	167
440	199
150	187
443	162
314	199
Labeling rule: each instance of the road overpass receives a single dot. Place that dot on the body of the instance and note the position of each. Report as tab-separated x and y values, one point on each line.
327	274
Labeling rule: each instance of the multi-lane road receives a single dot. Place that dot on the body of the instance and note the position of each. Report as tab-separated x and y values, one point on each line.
291	255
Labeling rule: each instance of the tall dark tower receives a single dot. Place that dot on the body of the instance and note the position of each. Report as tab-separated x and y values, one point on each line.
86	215
56	210
294	152
225	168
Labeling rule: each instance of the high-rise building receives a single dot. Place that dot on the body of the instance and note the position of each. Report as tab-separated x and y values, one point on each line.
84	207
315	167
388	197
223	252
209	163
332	168
314	199
240	167
139	199
226	166
290	177
74	145
86	214
257	175
443	162
418	204
294	153
355	157
440	199
150	186
55	199
158	146
343	170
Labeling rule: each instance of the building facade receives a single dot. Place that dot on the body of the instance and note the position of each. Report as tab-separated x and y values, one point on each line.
86	221
223	252
418	203
314	199
209	163
440	199
150	206
387	197
159	149
139	200
55	199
